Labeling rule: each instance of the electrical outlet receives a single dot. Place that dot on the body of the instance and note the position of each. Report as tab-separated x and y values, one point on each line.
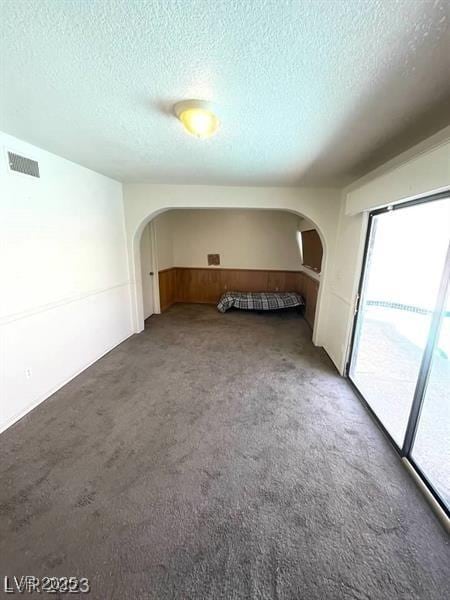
28	373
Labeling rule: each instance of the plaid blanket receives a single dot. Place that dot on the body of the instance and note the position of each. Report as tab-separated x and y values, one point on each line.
259	300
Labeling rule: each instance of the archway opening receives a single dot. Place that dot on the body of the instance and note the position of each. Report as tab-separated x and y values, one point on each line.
197	254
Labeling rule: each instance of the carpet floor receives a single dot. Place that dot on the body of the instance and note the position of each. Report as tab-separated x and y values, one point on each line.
216	457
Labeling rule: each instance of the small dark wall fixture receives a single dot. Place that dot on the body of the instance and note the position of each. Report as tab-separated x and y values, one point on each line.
213	259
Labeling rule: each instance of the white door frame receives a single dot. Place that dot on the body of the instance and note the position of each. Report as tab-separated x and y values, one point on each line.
154	249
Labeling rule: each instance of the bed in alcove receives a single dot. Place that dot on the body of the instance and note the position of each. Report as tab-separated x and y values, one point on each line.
259	300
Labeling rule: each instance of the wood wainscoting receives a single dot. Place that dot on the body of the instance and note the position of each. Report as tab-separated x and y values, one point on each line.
167	279
206	285
309	290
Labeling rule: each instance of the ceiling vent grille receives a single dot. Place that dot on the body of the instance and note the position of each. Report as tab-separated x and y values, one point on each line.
23	165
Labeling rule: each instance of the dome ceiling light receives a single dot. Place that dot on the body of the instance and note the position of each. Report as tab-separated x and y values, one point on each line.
197	117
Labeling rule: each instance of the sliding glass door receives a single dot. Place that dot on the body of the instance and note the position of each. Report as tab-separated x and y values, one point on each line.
430	444
400	349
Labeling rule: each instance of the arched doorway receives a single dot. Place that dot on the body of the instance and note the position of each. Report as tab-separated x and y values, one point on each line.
312	288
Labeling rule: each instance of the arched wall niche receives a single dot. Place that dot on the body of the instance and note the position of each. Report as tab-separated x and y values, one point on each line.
144	202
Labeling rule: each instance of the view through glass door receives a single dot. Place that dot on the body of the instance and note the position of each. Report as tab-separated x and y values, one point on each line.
401	349
430	450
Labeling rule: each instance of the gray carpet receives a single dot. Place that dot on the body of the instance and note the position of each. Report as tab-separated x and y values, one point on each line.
216	456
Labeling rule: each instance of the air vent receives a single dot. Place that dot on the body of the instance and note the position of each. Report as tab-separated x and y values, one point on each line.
23	165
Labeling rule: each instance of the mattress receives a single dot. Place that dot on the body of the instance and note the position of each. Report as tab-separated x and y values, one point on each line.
259	300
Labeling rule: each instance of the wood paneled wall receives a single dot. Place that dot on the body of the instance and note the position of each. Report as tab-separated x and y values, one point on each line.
167	288
309	291
206	285
312	249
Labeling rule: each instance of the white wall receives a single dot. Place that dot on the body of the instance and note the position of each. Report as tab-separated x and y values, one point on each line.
419	171
164	225
422	170
65	297
305	224
245	239
145	201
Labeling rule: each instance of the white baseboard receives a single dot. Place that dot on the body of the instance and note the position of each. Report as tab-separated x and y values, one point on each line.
54	389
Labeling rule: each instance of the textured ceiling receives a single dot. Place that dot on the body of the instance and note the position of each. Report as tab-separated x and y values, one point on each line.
309	91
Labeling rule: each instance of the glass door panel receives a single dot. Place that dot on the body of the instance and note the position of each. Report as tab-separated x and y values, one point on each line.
404	263
431	448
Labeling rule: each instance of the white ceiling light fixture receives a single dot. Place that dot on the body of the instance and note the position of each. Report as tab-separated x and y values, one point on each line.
197	117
